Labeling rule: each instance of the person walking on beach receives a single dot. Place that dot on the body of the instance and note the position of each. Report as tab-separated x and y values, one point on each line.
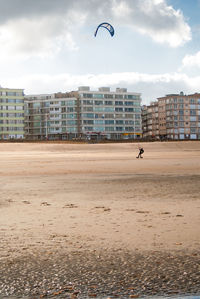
141	151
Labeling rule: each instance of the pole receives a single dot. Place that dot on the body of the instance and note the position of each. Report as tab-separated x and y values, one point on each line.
46	126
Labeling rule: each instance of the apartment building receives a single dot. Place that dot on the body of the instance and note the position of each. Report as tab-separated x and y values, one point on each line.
11	113
112	114
52	116
150	121
178	117
84	114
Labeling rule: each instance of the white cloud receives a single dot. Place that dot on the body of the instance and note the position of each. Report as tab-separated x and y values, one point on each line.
40	37
33	29
154	18
150	86
191	61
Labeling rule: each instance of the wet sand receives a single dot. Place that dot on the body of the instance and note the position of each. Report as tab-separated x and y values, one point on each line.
78	202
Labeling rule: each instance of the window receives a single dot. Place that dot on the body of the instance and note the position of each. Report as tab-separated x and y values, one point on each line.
118	103
10	93
192	118
118	109
137	116
87	102
71	122
109	109
98	102
108	96
69	109
108	102
109	129
129	129
118	96
99	129
88	128
71	115
193	130
181	112
192	112
129	122
88	95
192	101
128	103
137	109
98	96
98	122
109	115
119	122
87	109
118	115
11	107
119	129
88	122
98	109
129	109
109	122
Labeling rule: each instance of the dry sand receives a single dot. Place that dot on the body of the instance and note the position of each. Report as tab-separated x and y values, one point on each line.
100	196
93	197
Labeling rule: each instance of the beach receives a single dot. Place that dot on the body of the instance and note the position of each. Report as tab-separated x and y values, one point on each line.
88	220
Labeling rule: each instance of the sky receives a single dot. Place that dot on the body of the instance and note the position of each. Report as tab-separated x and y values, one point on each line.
49	46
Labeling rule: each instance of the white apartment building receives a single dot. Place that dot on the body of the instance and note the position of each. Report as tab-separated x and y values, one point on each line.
51	116
114	114
84	114
11	113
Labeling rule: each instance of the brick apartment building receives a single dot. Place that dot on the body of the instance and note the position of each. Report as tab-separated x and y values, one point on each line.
175	117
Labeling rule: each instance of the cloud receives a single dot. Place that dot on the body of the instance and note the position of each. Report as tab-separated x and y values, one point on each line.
43	27
191	61
150	86
154	18
42	37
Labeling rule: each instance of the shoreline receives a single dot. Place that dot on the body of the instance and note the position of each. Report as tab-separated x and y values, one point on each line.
109	274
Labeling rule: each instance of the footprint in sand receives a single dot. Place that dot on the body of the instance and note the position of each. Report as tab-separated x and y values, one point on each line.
70	206
45	203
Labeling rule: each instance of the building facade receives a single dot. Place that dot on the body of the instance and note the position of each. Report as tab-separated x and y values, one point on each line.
84	114
113	114
11	113
51	116
150	121
178	117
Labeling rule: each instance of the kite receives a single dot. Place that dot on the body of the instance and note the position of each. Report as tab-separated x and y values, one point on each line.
107	26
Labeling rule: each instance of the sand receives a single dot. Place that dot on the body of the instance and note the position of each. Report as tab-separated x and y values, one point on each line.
98	197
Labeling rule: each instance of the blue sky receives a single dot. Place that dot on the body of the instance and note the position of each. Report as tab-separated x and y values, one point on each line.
49	46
